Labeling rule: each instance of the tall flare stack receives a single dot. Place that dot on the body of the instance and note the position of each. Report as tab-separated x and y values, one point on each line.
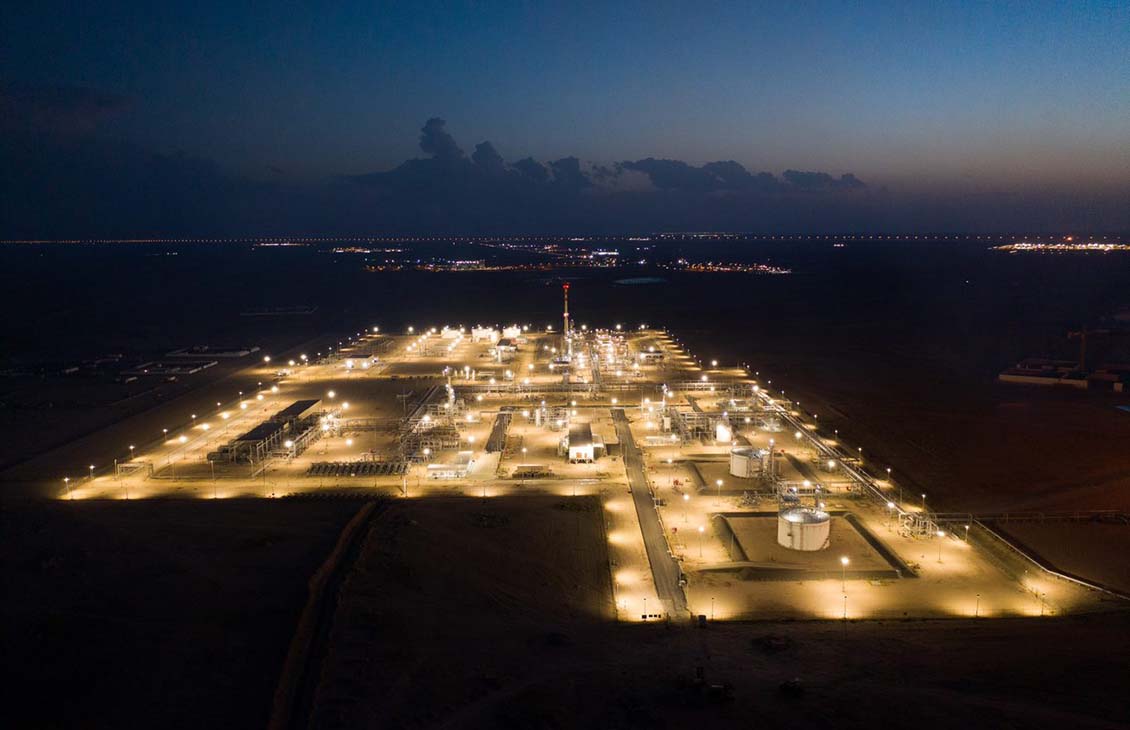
567	343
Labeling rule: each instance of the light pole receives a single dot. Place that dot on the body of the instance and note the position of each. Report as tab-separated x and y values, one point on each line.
92	472
686	498
843	574
923	503
890	514
67	486
977	607
940	536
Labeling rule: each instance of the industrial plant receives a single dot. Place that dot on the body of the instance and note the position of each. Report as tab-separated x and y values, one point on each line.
721	497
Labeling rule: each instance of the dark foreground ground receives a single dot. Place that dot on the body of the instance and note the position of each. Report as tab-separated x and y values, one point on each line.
489	615
153	614
460	613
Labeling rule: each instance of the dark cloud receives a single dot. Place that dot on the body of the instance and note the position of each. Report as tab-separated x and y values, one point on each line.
711	177
55	109
604	173
532	169
83	185
821	181
674	174
435	140
567	174
487	157
733	176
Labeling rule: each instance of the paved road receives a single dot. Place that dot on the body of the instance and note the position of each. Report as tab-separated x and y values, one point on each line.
664	569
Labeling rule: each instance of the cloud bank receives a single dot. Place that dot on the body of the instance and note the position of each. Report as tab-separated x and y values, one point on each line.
61	178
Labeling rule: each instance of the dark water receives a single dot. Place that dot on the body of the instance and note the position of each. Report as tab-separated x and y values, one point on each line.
956	305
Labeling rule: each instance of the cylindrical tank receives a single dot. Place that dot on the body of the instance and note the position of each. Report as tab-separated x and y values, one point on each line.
803	528
744	462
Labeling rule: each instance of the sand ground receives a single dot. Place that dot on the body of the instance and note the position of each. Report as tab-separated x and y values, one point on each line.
1094	550
444	624
154	613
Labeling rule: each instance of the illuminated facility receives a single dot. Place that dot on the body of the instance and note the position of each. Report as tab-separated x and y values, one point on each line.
717	491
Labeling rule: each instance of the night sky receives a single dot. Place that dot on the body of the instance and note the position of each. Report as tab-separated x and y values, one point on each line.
214	117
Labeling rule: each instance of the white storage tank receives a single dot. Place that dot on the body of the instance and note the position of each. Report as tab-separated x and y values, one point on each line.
803	528
744	462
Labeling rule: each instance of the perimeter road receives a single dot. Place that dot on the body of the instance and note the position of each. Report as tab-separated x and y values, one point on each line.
665	569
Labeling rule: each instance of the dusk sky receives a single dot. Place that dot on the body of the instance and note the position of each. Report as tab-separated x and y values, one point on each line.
912	98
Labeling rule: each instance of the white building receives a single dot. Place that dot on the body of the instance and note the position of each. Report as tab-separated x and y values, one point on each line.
580	444
484	334
456	468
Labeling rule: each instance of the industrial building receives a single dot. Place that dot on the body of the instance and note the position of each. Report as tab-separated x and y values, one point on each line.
485	334
457	467
581	445
286	434
505	349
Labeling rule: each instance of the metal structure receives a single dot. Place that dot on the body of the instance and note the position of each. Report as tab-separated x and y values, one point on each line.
691	425
566	332
917	525
432	425
802	528
497	440
362	468
284	435
745	462
699	386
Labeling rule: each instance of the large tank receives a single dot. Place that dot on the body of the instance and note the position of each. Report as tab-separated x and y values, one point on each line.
803	528
744	462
